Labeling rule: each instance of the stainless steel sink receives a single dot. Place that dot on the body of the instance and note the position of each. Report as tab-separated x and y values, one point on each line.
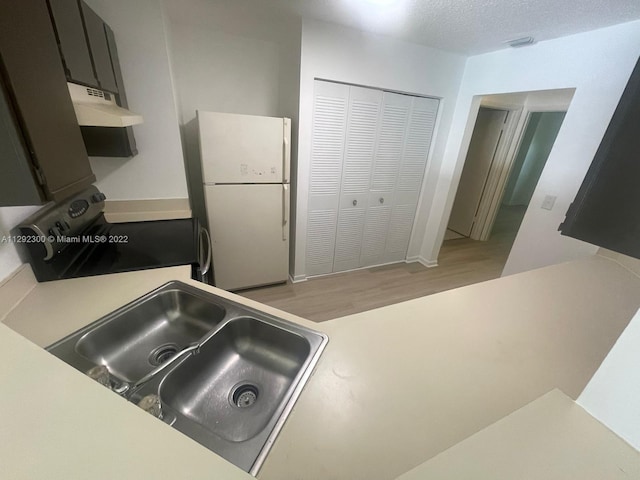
235	383
137	338
231	390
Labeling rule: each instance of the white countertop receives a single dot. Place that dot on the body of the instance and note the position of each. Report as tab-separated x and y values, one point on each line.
551	438
395	386
58	425
400	384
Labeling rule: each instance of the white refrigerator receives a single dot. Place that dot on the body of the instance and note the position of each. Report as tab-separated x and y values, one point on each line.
246	172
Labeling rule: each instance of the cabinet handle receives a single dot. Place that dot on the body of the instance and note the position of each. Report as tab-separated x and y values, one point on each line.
381	199
355	202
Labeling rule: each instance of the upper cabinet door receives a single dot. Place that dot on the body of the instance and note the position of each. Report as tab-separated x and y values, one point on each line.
121	97
99	49
38	90
73	43
16	182
605	211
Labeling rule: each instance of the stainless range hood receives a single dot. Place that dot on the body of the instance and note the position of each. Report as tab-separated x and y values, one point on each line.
96	108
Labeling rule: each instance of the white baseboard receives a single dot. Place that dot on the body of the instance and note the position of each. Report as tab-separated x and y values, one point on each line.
298	278
422	261
355	269
428	263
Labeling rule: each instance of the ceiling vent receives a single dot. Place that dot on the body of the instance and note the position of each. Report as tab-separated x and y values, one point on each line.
520	42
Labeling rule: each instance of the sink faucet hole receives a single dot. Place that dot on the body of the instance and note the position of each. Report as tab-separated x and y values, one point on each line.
244	395
162	353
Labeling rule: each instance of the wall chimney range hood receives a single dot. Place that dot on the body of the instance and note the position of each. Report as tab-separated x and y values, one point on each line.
97	108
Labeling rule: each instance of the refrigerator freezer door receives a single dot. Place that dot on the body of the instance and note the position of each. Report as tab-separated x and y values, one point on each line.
246	224
242	148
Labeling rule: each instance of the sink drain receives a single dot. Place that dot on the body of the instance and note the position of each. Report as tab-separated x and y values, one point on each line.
244	395
162	353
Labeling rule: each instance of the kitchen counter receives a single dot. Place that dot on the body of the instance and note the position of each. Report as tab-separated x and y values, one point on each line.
395	386
400	384
551	438
56	422
57	425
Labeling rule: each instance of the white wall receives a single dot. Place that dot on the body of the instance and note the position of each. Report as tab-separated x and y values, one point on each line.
158	169
221	71
236	56
9	218
598	65
332	52
613	394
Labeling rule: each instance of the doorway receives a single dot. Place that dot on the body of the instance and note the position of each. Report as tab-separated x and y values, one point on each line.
488	134
540	132
502	168
537	141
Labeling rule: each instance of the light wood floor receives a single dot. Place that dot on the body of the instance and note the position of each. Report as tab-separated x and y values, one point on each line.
462	262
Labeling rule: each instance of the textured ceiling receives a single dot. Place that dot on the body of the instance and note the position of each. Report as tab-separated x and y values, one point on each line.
465	26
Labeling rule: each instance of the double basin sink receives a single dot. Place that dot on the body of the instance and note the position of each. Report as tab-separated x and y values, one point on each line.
224	374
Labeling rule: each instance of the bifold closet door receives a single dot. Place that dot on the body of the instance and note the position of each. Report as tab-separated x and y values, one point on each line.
420	127
386	166
329	124
369	152
363	122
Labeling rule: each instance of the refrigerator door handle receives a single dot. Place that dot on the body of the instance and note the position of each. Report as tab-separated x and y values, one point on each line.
285	212
204	268
286	150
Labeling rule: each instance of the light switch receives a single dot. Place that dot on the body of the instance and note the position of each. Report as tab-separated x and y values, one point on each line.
548	202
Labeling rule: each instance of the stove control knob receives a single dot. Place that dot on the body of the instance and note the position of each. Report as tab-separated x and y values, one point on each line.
98	197
62	226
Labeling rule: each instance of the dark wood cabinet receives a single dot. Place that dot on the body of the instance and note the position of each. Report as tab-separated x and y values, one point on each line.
99	48
17	184
72	42
90	58
121	143
606	210
83	44
47	159
121	96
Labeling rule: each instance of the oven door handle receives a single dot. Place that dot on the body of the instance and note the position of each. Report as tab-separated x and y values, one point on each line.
204	269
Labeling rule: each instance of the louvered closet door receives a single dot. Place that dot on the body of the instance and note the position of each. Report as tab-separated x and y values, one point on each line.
412	168
360	144
386	167
327	150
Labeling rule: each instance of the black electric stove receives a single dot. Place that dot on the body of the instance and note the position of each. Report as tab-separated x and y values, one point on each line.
73	239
